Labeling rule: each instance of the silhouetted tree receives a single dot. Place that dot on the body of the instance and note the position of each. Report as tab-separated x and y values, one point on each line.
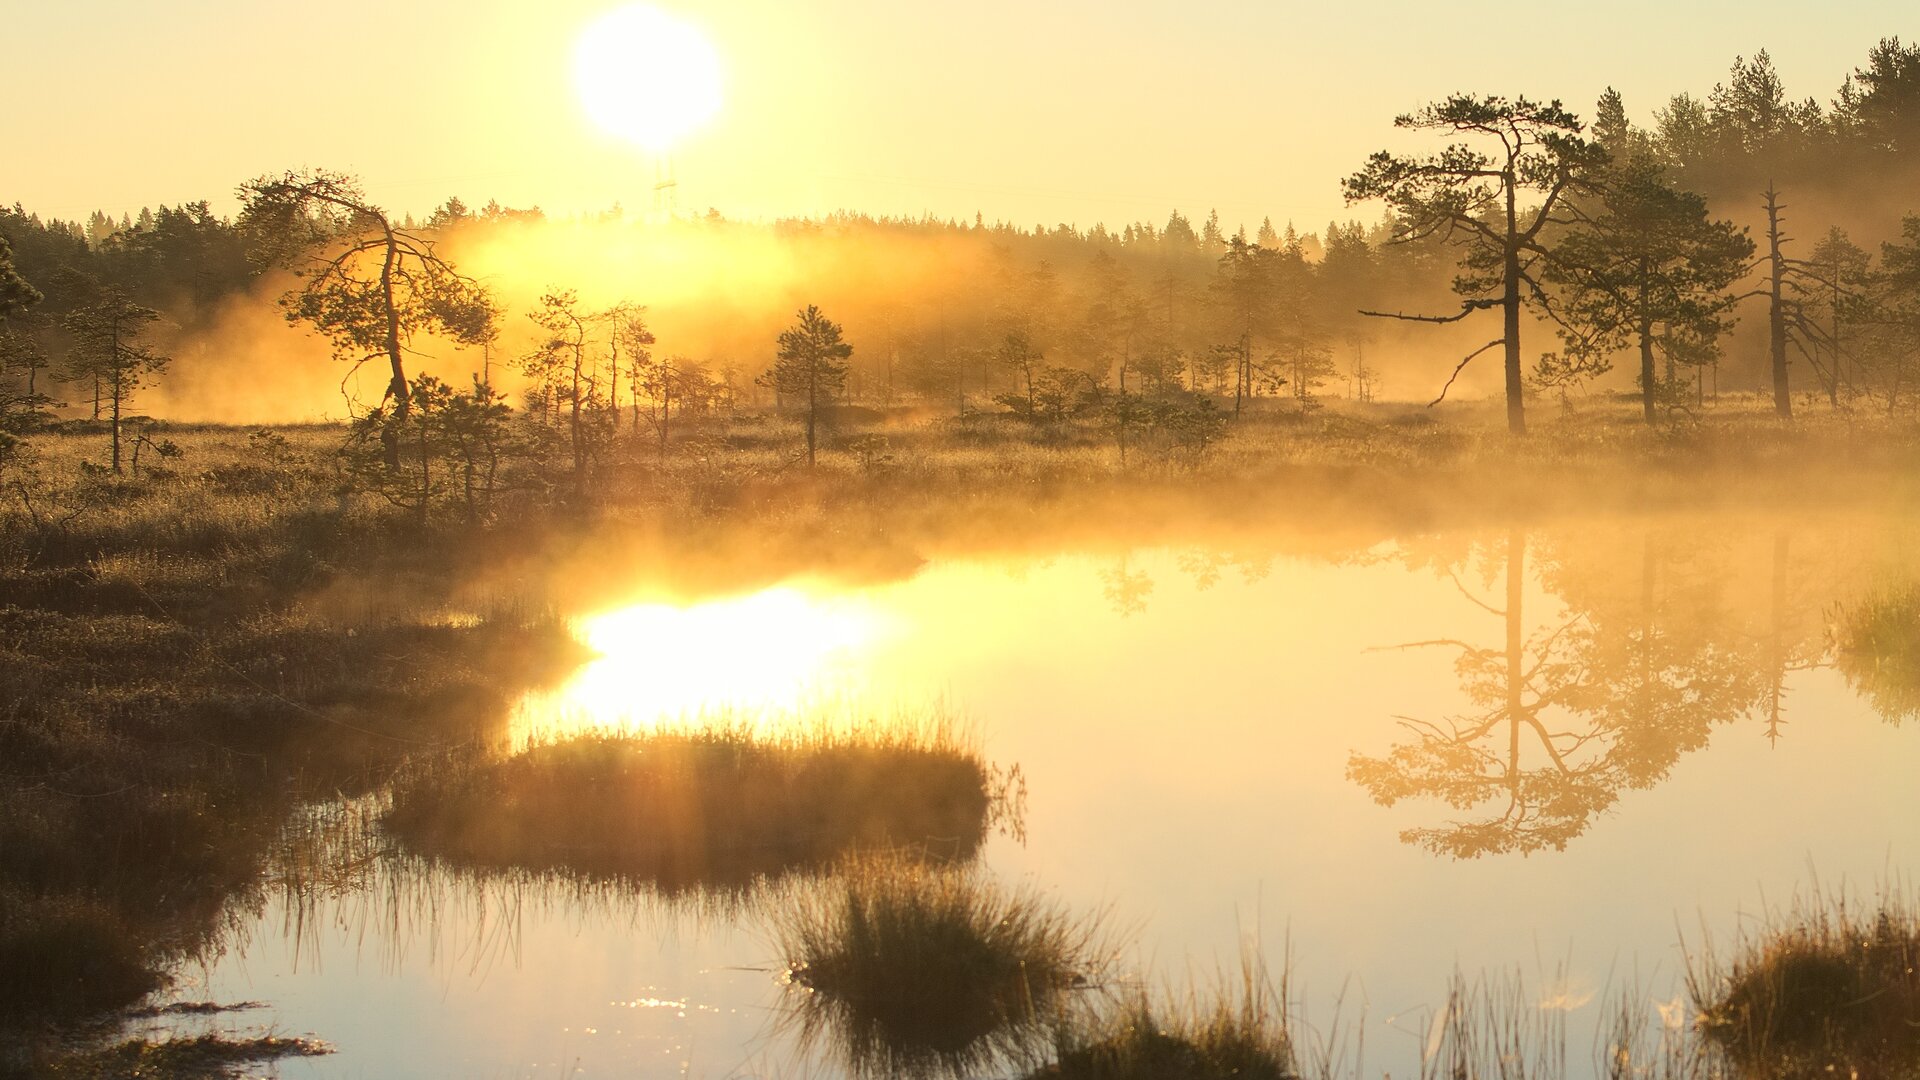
811	364
368	286
1893	307
565	375
1016	352
1473	198
1879	106
1839	272
185	258
107	350
455	448
22	357
16	295
1243	288
1119	321
1648	270
672	384
630	332
1750	114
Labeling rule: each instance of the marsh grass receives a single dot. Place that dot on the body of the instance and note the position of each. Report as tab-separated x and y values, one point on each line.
67	955
711	804
1226	1031
912	969
1878	650
165	700
1497	1025
1661	1043
170	687
196	1058
1826	988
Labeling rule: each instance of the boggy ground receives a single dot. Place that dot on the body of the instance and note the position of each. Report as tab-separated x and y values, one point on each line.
189	652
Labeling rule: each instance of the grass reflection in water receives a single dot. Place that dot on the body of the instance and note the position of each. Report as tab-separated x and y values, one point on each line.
709	805
924	970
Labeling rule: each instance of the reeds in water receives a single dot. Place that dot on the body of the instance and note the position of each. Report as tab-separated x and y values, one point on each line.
712	805
1826	989
913	969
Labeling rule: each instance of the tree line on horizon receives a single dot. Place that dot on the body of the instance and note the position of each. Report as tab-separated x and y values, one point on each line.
1605	241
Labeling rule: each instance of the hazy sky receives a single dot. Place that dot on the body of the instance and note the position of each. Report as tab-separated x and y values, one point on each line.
1077	111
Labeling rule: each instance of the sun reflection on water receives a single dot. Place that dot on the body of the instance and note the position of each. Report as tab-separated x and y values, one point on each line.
764	653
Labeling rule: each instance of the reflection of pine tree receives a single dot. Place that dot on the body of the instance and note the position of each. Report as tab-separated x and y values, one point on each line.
1568	716
1126	590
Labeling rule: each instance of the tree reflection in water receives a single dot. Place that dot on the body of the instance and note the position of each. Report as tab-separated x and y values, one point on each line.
1631	676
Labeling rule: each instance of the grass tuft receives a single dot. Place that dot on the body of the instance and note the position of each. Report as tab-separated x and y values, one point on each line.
711	806
1227	1034
1879	651
1832	992
921	970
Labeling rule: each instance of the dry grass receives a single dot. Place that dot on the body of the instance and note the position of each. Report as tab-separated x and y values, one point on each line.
1878	650
1230	1031
709	805
1825	989
199	1058
911	969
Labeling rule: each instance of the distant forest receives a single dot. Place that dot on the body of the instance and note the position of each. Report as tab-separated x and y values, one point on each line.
1749	240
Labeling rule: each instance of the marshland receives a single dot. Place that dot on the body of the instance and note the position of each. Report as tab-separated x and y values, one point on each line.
1477	637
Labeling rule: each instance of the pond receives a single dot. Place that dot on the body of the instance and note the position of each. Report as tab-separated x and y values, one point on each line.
1559	750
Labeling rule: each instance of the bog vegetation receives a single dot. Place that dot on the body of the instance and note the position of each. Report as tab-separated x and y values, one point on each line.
204	629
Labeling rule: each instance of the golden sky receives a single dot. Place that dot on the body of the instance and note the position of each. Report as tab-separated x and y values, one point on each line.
1035	112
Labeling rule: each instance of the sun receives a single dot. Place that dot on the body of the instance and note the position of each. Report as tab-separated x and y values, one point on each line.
647	76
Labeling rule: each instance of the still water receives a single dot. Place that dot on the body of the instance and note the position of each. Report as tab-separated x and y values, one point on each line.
1557	750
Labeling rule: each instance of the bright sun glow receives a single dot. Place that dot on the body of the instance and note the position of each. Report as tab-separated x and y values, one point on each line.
770	650
647	76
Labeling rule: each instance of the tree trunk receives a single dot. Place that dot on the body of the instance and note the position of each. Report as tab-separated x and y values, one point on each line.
1646	369
116	423
1776	654
613	376
1776	309
1510	323
397	387
1516	639
573	425
813	381
113	357
426	472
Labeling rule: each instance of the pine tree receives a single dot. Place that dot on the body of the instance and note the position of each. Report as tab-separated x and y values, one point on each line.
1649	271
367	285
16	294
1472	197
811	364
107	350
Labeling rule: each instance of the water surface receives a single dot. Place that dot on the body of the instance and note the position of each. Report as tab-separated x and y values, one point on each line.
1550	749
